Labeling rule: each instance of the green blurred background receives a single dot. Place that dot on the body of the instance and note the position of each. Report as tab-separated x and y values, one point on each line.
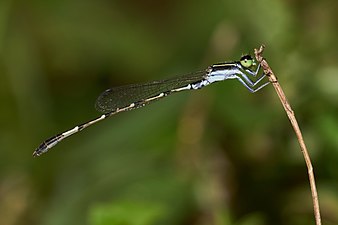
219	155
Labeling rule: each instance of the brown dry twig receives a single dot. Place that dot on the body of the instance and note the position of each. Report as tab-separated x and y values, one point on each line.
292	118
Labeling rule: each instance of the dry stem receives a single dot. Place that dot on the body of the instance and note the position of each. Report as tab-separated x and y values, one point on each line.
292	118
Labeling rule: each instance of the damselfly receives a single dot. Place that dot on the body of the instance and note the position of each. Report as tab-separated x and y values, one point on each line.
128	97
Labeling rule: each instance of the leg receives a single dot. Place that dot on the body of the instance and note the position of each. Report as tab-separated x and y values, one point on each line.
252	89
255	72
251	82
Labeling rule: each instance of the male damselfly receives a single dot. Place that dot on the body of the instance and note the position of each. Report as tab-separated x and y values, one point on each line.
129	97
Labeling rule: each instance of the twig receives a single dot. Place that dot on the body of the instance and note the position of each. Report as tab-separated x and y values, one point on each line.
292	118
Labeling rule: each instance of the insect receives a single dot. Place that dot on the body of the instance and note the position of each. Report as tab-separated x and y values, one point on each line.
129	97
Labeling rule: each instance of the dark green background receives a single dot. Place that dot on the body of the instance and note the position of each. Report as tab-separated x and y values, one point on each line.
219	155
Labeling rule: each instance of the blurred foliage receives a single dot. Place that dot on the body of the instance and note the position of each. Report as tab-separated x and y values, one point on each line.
220	155
120	213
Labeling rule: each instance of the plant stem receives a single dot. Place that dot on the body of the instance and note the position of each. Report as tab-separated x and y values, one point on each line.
291	115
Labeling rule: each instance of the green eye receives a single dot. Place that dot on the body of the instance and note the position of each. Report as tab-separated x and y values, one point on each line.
247	61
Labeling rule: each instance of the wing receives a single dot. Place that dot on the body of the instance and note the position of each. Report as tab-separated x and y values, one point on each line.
123	96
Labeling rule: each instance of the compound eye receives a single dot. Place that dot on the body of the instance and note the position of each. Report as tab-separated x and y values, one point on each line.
246	61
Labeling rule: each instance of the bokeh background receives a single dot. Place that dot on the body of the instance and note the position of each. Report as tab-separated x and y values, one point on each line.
219	155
